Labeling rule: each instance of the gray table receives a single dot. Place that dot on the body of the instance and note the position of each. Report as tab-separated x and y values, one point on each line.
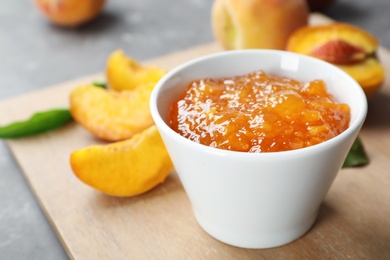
35	54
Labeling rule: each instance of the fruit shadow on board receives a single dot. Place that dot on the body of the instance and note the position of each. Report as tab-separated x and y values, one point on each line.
170	185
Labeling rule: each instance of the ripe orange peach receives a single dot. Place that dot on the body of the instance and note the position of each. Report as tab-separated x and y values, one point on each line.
242	24
70	12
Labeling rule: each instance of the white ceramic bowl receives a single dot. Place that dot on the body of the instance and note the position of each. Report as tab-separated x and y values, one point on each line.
257	200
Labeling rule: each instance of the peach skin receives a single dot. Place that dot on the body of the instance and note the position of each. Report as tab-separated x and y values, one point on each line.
244	24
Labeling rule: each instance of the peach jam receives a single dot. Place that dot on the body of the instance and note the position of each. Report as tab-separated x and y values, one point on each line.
257	113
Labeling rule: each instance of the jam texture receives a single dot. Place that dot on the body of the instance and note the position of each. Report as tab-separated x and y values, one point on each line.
257	113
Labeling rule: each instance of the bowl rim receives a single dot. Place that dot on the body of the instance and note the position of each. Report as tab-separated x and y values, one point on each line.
162	126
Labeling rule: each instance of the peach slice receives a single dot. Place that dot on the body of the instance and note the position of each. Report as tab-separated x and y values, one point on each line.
125	168
125	73
346	46
112	115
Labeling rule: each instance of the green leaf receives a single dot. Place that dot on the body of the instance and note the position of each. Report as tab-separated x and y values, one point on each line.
38	123
356	156
100	84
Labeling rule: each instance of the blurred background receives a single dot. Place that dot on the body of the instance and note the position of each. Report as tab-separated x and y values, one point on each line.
35	54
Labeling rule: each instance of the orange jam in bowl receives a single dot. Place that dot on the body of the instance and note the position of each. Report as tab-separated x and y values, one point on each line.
257	113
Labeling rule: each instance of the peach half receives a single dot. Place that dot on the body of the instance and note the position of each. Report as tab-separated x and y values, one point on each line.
346	46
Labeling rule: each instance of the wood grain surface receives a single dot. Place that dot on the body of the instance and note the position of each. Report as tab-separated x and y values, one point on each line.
354	220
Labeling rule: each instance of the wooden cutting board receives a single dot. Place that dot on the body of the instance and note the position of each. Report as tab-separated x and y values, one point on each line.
354	220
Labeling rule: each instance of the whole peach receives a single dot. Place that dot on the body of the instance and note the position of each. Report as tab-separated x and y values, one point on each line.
70	12
243	24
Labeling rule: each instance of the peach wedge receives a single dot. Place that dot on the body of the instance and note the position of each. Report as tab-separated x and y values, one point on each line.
112	115
125	168
346	46
125	73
